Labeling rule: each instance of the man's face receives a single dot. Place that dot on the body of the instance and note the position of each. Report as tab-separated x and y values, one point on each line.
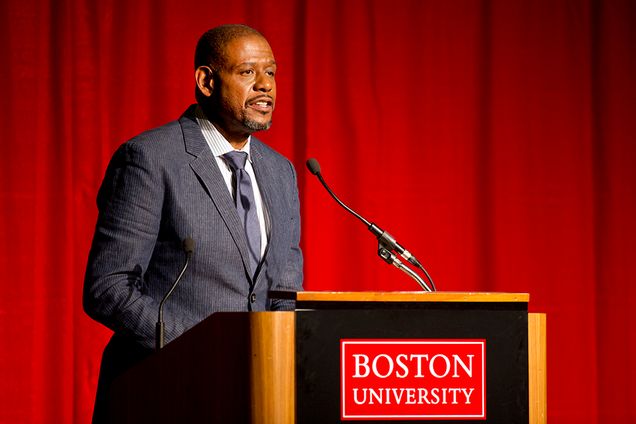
244	91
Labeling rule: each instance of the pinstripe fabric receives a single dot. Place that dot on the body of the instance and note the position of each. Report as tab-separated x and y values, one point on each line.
161	187
220	146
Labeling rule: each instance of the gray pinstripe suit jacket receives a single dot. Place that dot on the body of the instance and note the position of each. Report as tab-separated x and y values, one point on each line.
161	187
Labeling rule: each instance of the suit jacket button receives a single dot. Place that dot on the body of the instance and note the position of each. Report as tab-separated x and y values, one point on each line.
253	298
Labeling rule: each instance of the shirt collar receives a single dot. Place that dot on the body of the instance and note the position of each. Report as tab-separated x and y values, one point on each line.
217	143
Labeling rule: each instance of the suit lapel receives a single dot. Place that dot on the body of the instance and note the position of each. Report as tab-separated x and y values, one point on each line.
266	177
206	168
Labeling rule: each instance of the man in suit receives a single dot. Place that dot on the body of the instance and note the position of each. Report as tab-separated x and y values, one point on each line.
179	181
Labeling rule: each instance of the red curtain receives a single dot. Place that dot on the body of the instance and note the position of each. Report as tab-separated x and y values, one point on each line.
494	139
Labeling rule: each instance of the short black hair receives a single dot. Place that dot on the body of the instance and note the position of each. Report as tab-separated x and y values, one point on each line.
211	46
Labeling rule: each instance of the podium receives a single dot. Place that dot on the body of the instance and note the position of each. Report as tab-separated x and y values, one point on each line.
286	367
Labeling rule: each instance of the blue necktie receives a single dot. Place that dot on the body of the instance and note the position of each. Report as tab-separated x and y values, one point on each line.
246	205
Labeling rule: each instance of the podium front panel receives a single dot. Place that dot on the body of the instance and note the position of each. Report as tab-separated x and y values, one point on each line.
502	325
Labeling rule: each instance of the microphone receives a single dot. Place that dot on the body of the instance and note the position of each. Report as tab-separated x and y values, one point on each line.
384	237
388	243
188	248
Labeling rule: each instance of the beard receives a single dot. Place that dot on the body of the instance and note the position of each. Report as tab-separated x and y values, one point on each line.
255	125
223	113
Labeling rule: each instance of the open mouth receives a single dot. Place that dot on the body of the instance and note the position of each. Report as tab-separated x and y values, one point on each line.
261	104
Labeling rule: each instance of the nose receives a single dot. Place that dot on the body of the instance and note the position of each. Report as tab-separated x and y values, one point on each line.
263	82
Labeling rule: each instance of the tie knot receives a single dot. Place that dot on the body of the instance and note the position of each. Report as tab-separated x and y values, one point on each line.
236	159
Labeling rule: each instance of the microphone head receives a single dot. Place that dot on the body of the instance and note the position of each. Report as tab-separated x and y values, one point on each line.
313	166
188	245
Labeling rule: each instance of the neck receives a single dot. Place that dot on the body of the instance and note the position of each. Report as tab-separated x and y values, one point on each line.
236	139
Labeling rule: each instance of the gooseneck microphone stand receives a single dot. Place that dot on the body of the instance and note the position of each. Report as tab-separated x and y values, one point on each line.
387	244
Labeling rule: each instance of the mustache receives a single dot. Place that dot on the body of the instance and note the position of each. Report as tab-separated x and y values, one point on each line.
261	98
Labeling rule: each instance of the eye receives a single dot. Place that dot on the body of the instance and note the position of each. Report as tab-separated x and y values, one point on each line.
247	72
270	71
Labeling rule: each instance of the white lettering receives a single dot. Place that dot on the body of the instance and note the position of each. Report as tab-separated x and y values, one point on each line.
439	366
361	364
410	396
355	396
454	392
435	394
423	396
431	366
468	369
398	399
376	395
389	362
419	363
468	394
398	361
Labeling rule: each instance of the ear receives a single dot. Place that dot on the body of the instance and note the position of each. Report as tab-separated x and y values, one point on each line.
204	80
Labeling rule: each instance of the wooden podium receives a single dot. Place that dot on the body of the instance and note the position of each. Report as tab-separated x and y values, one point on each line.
282	367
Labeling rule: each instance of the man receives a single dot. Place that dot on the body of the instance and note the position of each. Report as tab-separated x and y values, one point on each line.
187	180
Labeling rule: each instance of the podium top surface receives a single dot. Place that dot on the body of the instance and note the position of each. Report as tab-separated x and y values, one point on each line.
400	296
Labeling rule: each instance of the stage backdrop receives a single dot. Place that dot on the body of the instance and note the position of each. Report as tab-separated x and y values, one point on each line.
494	139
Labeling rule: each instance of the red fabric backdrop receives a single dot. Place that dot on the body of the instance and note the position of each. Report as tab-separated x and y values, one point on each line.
495	139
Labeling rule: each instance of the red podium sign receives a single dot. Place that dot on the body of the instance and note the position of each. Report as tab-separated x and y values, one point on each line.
413	379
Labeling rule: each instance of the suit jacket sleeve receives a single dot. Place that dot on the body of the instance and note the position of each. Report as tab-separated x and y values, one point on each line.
130	206
291	277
